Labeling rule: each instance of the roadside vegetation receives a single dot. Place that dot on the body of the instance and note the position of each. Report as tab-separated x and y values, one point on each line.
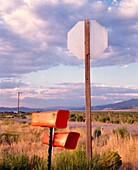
21	148
115	117
9	115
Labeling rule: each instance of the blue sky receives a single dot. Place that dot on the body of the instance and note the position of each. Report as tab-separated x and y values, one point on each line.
34	58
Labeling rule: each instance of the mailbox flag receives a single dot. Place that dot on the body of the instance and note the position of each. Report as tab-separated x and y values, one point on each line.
67	140
55	119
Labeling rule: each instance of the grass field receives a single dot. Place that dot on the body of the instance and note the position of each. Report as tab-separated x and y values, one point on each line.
21	148
21	143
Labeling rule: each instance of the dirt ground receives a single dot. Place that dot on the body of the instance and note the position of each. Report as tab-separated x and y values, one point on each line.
132	128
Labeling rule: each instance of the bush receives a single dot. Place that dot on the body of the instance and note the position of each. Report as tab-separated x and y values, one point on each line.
9	138
72	117
22	162
23	116
80	119
12	162
8	122
110	160
75	160
97	132
122	131
130	121
115	121
104	119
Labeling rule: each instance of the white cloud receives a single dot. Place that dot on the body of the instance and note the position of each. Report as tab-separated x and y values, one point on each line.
36	32
8	6
128	8
22	21
33	37
67	94
74	2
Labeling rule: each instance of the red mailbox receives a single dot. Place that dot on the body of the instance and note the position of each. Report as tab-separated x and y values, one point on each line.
67	140
52	119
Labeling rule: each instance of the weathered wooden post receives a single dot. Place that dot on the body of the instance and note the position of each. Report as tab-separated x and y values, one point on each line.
88	89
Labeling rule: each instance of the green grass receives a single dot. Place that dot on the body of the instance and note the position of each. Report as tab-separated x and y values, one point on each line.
67	160
22	162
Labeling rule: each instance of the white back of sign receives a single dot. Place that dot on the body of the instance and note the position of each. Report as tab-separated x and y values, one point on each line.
76	40
98	39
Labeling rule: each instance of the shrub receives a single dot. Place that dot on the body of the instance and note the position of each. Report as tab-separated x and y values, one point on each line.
23	116
11	162
97	132
23	122
80	119
122	131
104	119
110	160
7	122
130	121
9	138
75	160
115	121
37	163
72	117
22	162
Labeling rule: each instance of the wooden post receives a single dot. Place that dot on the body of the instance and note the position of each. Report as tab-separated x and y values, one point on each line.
88	90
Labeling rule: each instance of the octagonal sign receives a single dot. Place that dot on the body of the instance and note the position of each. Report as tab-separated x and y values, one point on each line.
98	39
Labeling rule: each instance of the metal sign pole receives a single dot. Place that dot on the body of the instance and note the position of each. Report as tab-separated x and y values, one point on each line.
50	148
88	90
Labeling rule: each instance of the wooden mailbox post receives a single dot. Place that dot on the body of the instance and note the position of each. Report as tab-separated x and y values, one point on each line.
55	119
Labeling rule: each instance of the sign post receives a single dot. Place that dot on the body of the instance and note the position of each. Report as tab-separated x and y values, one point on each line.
88	89
87	40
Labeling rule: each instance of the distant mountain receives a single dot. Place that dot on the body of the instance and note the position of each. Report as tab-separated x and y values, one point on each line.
129	104
22	109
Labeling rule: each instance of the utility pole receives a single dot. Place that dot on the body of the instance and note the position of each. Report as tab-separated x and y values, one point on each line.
18	111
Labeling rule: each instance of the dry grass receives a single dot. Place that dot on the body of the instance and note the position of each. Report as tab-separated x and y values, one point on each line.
30	142
126	147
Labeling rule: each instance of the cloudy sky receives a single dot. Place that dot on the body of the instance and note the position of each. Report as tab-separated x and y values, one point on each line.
35	61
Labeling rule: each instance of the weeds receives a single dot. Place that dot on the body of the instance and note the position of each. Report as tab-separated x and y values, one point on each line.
122	131
26	150
22	162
